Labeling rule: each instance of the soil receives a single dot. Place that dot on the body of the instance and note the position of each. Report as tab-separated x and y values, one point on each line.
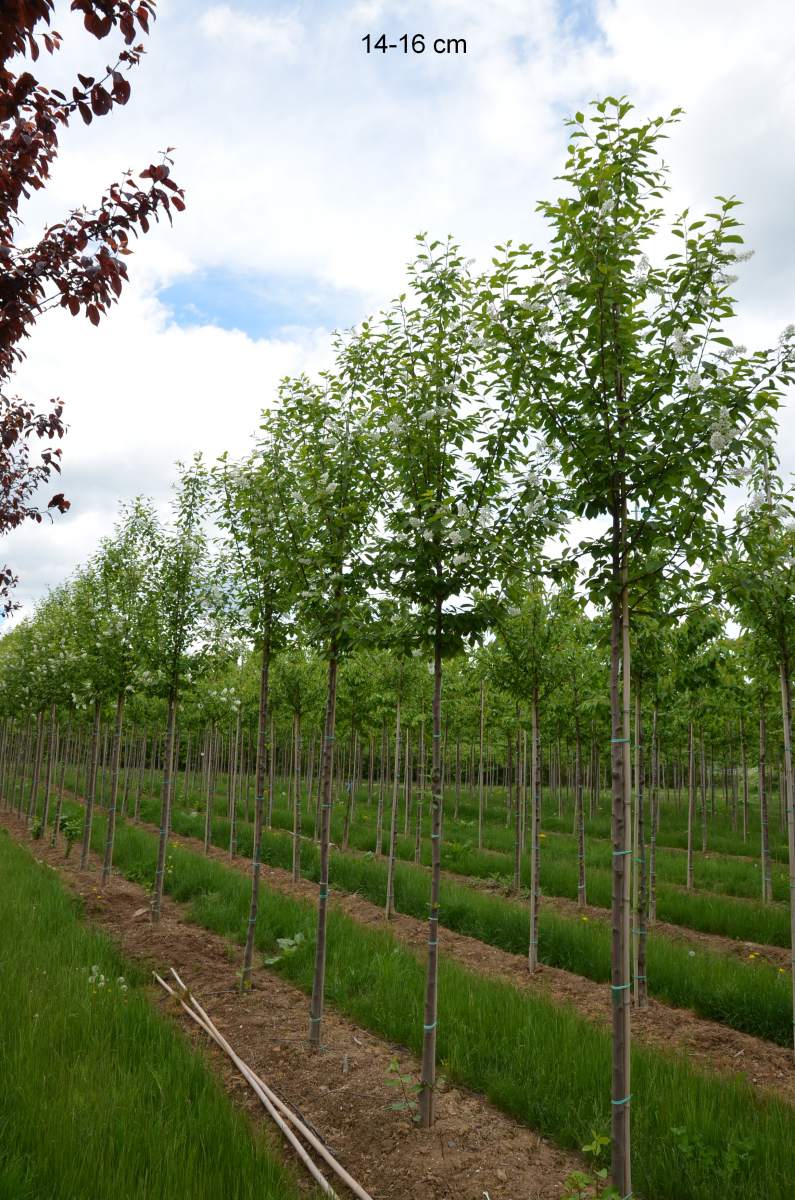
474	1151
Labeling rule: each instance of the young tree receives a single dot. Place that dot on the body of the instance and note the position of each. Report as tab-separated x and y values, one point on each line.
183	588
627	370
76	263
257	522
757	576
330	484
124	572
448	454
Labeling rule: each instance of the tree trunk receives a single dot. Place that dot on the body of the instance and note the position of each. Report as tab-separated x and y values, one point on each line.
480	772
319	977
641	991
427	1096
209	751
165	807
51	759
691	802
37	757
297	797
91	790
579	808
56	825
393	820
767	886
621	780
264	752
110	833
789	784
535	841
379	815
654	803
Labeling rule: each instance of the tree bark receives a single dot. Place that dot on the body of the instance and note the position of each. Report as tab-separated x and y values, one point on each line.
621	781
427	1096
165	807
110	832
319	977
393	820
264	752
91	790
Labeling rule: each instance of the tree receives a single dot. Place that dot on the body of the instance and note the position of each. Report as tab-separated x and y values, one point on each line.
627	371
257	523
77	263
330	484
448	504
183	588
758	577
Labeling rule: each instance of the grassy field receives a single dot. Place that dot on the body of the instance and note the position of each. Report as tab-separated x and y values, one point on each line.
101	1097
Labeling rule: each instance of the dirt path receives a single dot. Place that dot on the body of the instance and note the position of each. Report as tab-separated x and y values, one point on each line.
707	1044
473	1151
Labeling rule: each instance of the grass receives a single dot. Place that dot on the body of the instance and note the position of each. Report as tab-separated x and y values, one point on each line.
101	1096
721	910
542	1064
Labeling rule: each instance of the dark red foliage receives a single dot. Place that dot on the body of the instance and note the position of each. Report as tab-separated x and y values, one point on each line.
78	263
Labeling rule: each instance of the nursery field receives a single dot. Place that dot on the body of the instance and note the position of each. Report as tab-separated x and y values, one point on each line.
406	810
712	1059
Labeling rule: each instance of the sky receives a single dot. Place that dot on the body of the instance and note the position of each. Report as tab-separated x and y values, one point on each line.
310	166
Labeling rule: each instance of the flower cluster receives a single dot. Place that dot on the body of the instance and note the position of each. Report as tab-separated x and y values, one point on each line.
722	432
99	982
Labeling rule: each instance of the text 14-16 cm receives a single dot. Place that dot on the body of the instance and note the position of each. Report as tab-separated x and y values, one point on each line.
415	44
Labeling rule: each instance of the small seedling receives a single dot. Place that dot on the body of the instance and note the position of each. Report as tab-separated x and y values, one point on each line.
72	832
592	1183
408	1086
36	828
288	946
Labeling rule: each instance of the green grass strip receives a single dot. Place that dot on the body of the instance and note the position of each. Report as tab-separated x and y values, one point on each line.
101	1097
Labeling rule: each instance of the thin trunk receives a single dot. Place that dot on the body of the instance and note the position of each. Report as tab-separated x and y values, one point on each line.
691	802
767	885
535	841
480	772
91	790
51	758
165	807
110	832
789	785
620	954
653	817
56	825
427	1096
209	750
233	755
37	757
263	753
641	991
297	797
393	820
379	816
580	813
319	977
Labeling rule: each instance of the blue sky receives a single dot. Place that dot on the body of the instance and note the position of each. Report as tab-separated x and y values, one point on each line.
262	305
309	168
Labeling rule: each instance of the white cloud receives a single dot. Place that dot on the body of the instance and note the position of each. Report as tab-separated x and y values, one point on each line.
280	36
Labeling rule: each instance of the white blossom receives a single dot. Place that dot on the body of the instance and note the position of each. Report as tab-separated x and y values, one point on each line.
693	382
